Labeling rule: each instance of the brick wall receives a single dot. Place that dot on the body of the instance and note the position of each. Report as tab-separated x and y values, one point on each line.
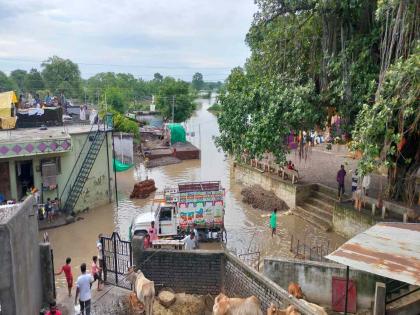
242	281
198	272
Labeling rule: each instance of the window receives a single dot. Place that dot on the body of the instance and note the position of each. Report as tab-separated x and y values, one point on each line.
55	160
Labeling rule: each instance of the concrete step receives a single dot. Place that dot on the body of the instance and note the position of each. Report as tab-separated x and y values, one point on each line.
324	197
317	211
314	220
332	192
325	205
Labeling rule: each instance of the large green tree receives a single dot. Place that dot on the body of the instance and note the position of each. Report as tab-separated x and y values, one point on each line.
6	84
18	76
62	76
33	81
175	94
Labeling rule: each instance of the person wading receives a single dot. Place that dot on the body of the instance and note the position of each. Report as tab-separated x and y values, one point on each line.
83	288
273	222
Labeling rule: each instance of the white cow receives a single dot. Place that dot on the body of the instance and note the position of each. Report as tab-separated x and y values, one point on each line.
144	288
224	305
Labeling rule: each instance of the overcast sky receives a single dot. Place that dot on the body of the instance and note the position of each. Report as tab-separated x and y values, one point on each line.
173	37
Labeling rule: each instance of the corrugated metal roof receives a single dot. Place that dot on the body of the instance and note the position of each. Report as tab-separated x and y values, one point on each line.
391	250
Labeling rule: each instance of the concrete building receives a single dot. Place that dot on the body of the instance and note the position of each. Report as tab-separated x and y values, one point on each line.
61	162
21	290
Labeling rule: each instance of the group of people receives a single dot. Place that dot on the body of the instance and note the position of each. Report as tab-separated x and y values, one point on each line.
50	210
35	101
359	185
85	280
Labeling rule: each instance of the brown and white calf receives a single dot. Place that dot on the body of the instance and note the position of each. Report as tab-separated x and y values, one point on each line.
224	305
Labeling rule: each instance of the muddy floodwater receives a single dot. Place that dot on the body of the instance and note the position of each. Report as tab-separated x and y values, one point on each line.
247	228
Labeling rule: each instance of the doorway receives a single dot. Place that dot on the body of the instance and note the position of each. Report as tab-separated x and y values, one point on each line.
24	177
4	182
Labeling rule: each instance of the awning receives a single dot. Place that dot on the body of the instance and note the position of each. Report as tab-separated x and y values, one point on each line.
391	250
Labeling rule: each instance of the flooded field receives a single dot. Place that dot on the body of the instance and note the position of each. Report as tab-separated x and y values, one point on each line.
246	227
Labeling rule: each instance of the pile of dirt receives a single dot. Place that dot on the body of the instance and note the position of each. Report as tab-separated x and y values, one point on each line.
262	199
143	189
185	304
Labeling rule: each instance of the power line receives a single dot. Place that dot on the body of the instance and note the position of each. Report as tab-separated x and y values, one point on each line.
118	65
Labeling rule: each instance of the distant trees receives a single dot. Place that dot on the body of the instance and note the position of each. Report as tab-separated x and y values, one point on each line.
176	94
33	81
197	81
62	76
18	76
6	84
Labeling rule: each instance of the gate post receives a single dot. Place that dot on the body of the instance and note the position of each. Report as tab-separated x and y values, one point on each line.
114	243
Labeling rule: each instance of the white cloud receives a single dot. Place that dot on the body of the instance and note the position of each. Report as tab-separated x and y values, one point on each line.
179	37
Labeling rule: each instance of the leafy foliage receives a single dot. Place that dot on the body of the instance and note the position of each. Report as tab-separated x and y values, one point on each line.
6	84
33	81
62	76
18	76
175	94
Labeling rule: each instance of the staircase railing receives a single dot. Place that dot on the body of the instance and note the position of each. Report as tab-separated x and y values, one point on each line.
88	144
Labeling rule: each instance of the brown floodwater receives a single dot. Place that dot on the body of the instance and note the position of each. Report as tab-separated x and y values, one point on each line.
247	228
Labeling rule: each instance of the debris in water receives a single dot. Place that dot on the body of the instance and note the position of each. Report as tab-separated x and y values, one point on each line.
262	199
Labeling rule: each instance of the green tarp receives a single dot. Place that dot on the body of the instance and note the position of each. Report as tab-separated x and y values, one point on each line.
121	167
178	133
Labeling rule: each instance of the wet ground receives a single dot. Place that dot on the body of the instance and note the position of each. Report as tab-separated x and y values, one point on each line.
247	228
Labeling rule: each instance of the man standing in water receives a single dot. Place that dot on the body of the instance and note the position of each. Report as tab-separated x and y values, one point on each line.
341	174
273	222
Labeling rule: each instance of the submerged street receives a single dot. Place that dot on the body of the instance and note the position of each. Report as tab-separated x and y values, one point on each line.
247	228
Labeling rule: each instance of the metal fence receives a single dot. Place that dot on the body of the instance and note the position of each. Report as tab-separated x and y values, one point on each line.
314	251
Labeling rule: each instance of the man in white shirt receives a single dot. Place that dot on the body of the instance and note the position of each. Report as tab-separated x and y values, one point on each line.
83	288
100	257
189	241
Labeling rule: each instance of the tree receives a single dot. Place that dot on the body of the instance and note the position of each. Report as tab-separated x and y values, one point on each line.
115	99
197	81
6	84
157	77
62	75
176	94
18	76
33	81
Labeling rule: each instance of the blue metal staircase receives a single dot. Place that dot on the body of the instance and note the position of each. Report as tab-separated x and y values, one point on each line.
82	167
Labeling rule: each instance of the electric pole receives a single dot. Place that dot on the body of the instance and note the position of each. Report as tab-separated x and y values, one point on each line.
173	108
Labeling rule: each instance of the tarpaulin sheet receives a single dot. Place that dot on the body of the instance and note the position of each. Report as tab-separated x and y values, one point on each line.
7	99
121	167
178	133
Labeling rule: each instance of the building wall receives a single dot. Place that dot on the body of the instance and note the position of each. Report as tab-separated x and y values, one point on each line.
290	194
20	269
95	191
123	146
315	279
348	222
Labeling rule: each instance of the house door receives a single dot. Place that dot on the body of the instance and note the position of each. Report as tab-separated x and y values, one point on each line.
4	182
24	177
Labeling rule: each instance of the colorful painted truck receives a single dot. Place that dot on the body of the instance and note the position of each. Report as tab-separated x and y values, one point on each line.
178	208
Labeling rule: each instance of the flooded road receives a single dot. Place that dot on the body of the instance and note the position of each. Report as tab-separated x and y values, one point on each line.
246	227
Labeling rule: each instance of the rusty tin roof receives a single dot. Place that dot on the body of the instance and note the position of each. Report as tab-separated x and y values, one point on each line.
391	250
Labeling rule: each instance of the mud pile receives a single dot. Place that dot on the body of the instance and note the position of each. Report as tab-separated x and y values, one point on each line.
262	199
143	189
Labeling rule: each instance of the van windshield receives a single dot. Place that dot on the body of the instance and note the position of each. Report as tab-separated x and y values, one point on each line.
165	214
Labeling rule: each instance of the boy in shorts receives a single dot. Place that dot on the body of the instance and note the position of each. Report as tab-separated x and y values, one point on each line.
67	271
